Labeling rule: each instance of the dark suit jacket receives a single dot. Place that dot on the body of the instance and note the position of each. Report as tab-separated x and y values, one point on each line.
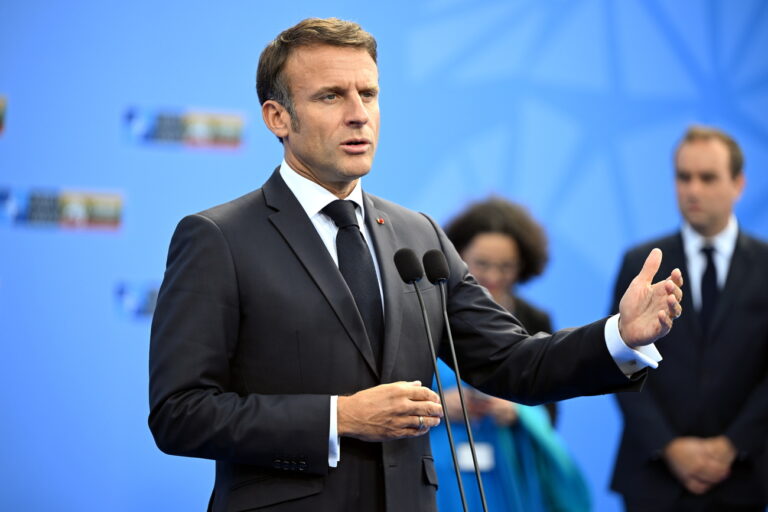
255	328
705	385
535	320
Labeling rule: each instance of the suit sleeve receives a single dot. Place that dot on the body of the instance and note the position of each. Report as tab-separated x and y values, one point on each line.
642	415
193	410
497	356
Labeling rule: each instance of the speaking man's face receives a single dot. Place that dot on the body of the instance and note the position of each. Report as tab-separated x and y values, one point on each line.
706	190
335	93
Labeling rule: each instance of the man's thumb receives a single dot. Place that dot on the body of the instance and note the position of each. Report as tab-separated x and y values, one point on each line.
651	266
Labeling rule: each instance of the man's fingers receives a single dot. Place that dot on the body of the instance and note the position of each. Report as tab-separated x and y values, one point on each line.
672	295
711	474
422	394
422	408
412	390
432	409
696	486
677	277
671	288
674	307
651	266
665	321
422	423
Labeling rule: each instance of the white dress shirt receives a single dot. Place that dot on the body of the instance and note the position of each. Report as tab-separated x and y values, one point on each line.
723	245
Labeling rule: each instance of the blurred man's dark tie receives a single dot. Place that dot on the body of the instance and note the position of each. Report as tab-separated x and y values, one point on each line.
709	289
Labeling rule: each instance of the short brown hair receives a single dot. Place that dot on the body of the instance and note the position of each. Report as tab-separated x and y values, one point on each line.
270	83
497	215
700	132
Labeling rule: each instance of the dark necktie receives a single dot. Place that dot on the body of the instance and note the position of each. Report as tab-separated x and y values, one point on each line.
709	289
356	266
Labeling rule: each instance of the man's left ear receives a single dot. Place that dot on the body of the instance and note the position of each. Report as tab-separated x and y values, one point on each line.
276	118
741	182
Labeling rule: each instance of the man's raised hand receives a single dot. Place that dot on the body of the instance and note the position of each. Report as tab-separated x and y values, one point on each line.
647	310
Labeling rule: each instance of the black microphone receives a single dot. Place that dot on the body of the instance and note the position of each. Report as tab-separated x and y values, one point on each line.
436	266
410	270
408	266
438	273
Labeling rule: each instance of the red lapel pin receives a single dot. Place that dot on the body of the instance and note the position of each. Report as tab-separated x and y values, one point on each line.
380	220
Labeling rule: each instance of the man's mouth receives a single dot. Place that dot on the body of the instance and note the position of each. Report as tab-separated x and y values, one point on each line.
356	146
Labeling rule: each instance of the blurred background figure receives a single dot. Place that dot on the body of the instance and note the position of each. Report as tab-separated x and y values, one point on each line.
694	439
523	462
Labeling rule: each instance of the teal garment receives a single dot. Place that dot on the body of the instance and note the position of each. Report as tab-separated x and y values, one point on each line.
533	471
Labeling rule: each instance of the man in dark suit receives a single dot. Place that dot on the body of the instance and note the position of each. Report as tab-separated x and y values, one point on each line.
284	344
693	440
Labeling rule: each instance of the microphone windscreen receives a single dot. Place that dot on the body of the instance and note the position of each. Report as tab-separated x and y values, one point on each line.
436	266
408	265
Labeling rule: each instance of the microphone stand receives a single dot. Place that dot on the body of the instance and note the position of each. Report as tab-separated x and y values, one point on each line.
442	402
441	284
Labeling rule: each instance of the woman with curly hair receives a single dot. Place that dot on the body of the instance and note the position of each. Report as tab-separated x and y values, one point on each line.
503	246
523	462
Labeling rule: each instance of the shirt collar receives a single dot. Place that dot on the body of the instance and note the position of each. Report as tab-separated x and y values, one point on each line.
312	197
724	242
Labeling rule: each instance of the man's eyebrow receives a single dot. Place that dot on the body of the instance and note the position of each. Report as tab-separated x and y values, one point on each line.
330	88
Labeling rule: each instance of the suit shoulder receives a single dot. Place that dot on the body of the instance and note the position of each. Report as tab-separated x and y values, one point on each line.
389	207
399	212
236	210
754	243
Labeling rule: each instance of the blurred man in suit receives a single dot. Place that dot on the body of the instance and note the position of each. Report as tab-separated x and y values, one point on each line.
693	440
286	347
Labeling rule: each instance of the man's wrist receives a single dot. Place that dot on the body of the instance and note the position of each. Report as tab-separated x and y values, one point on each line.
629	360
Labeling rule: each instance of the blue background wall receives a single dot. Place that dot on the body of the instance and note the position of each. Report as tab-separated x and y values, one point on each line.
569	107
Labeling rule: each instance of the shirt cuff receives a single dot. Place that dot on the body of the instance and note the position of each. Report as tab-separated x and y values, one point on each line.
629	360
334	452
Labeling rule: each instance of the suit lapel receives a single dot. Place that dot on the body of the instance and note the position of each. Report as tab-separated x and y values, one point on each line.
737	275
300	234
385	244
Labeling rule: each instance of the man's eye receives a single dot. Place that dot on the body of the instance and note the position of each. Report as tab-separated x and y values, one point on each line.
329	97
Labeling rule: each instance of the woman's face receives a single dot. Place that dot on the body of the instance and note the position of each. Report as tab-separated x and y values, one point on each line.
494	259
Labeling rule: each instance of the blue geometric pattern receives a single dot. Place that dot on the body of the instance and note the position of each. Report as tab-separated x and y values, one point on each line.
571	107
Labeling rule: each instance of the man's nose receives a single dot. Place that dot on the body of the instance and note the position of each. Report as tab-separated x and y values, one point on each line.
694	187
357	113
688	188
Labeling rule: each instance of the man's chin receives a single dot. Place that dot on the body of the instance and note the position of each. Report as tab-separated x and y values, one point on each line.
695	219
700	225
356	171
